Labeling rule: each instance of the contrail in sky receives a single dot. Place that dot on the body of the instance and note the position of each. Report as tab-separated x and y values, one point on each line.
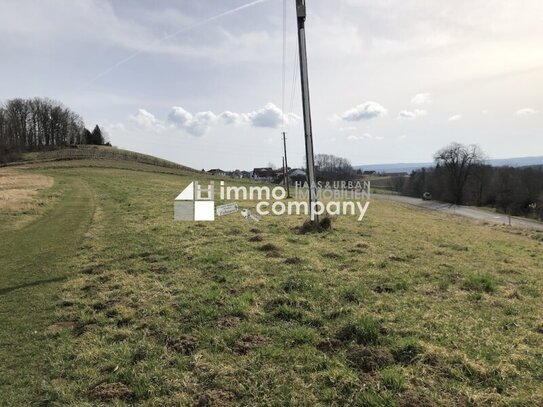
174	34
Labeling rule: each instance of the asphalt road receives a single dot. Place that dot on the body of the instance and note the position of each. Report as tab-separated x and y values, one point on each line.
468	211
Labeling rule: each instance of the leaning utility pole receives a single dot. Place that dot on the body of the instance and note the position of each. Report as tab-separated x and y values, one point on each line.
310	159
285	164
284	175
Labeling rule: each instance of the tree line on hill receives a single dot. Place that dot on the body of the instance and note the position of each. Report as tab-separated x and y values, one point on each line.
39	124
332	168
462	177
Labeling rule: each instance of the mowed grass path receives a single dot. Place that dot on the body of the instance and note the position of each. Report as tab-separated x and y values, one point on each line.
33	264
406	308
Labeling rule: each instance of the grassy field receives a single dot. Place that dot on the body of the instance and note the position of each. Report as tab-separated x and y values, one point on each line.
104	300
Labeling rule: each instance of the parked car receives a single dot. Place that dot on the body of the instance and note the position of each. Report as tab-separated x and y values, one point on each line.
427	196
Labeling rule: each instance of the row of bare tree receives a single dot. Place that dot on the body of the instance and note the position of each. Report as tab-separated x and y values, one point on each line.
462	177
34	124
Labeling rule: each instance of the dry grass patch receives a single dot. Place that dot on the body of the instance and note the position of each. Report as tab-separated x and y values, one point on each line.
18	190
19	196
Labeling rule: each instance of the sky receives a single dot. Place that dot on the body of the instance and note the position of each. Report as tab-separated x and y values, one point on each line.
201	82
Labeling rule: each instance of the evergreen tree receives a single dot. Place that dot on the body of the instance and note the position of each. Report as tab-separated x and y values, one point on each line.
87	136
97	137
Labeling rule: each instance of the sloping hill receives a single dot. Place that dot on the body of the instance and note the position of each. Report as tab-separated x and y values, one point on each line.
94	153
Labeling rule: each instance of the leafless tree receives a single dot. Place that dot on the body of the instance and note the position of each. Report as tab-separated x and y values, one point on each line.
38	123
459	162
332	168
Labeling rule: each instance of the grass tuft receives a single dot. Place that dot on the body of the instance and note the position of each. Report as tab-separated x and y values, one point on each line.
364	331
393	379
481	282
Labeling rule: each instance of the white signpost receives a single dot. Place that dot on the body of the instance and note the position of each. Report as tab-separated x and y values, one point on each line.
227	209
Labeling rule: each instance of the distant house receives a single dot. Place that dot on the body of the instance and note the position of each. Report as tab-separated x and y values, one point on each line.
370	172
245	174
217	172
264	174
280	172
236	174
297	175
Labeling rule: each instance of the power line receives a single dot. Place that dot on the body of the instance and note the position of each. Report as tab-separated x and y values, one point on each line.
284	62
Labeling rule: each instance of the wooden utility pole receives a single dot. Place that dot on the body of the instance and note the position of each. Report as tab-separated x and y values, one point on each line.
284	176
285	166
310	158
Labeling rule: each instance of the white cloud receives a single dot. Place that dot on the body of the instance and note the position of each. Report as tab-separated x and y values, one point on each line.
412	114
147	121
455	117
270	116
527	111
229	117
198	124
421	98
365	111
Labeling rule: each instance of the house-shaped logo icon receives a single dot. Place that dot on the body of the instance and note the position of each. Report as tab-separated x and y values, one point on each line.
195	203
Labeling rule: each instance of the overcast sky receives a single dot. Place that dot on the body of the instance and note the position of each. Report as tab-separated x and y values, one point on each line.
391	81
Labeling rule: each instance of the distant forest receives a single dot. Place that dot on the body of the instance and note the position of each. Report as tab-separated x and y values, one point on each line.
461	176
41	124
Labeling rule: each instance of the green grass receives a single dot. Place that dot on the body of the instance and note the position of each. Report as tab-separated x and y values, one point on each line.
485	283
405	308
34	264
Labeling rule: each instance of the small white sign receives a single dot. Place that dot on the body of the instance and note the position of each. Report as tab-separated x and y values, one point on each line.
227	209
249	216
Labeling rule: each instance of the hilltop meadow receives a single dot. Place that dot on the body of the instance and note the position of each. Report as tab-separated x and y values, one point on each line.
105	300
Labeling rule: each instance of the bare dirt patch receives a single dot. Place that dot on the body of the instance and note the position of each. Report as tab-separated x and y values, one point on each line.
371	358
329	345
215	398
293	260
269	247
185	344
228	322
411	398
251	341
111	391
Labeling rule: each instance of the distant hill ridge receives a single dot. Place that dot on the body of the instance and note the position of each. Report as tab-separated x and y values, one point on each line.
408	167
